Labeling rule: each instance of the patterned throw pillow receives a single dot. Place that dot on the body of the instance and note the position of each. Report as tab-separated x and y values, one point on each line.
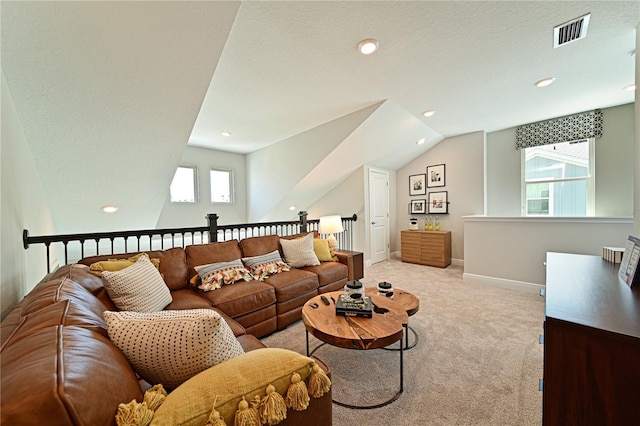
299	252
139	287
215	275
267	264
169	347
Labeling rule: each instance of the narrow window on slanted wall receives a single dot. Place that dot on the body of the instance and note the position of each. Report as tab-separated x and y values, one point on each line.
559	179
184	186
221	186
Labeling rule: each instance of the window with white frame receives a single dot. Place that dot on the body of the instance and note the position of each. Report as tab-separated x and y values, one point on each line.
184	186
558	179
221	186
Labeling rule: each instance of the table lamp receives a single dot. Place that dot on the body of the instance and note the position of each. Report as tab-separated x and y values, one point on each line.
331	225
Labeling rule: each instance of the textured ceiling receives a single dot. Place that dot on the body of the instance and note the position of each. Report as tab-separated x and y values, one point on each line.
290	66
110	93
107	98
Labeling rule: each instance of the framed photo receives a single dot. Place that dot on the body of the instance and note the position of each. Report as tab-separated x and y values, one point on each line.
435	176
628	270
417	185
439	202
418	206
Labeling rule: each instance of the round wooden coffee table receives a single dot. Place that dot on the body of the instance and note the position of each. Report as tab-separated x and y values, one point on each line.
406	301
386	326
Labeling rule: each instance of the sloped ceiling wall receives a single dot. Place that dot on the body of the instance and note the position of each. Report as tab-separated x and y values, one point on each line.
107	98
382	134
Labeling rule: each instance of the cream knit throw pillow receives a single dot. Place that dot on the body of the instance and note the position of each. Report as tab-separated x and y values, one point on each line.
299	252
138	288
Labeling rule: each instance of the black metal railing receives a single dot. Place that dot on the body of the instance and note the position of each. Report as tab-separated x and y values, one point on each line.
78	246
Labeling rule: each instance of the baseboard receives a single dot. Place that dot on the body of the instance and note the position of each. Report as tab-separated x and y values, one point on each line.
504	283
457	262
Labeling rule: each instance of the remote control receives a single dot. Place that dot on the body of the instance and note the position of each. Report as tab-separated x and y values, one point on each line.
325	300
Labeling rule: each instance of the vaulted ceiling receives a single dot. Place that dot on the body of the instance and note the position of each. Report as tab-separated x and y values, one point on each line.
109	94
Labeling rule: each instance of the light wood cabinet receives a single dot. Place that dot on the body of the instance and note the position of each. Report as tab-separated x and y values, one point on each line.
432	248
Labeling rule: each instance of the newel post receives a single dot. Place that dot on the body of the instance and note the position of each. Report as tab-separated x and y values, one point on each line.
303	220
213	227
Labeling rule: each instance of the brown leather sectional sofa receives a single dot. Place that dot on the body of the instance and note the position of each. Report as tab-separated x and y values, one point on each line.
60	368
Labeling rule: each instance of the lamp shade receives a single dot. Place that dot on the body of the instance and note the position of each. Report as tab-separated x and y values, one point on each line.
330	224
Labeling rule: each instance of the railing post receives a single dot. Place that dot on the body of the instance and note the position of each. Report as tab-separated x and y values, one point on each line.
213	227
303	220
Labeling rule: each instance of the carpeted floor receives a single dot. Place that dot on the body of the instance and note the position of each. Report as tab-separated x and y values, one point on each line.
477	361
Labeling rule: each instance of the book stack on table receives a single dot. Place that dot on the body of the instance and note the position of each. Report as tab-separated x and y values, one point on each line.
346	306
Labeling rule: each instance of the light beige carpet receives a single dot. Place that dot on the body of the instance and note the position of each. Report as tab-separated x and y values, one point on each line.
477	361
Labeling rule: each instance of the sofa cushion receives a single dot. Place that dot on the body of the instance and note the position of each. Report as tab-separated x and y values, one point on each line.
187	298
225	385
241	298
261	267
169	347
202	254
138	288
292	284
74	375
173	265
329	272
215	275
299	252
60	289
256	246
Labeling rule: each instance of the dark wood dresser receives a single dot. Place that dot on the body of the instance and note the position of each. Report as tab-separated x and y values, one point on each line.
591	344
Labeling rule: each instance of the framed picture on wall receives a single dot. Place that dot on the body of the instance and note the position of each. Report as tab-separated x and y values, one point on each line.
435	176
439	202
417	185
418	207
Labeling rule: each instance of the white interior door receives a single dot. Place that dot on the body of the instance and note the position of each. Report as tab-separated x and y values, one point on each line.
379	215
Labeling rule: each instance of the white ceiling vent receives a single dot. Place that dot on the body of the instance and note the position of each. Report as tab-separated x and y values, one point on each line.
571	31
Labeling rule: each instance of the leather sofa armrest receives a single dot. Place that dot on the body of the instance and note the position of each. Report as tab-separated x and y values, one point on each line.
354	261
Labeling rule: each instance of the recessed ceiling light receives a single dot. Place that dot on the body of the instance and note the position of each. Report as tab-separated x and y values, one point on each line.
110	209
429	113
225	133
545	82
420	141
629	88
292	208
368	46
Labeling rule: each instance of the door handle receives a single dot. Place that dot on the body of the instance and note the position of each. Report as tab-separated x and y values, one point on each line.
373	223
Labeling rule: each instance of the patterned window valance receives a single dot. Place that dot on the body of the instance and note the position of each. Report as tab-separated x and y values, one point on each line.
563	129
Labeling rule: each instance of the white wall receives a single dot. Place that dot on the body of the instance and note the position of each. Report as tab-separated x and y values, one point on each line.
463	157
636	174
613	167
176	215
510	251
345	199
506	249
23	206
273	172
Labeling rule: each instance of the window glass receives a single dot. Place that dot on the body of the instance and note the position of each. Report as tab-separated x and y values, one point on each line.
221	186
558	179
183	186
